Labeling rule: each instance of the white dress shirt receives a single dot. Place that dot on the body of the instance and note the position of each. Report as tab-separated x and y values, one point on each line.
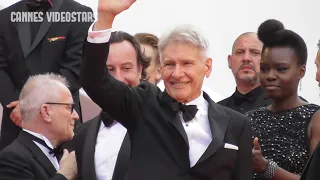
109	141
197	130
44	149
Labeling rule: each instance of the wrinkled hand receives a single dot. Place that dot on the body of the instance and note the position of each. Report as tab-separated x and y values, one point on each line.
15	115
107	11
68	165
260	163
114	7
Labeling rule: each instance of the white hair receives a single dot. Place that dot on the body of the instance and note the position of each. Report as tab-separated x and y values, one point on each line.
184	34
38	90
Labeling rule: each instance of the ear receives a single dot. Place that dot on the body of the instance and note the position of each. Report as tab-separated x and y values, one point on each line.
208	67
229	61
302	71
140	70
44	112
159	73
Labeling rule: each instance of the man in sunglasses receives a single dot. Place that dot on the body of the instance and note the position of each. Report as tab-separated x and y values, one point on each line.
48	118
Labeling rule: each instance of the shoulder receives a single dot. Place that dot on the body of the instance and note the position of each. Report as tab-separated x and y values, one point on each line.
146	90
234	115
213	95
224	101
5	13
256	112
83	127
15	153
314	111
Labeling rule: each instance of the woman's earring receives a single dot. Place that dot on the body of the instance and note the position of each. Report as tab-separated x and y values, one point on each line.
300	85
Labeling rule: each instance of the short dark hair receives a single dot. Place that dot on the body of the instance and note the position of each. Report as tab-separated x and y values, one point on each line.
318	44
272	33
120	36
151	40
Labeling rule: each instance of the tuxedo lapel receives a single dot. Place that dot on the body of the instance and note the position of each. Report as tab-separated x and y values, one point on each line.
24	32
175	120
38	154
123	159
45	25
218	124
88	166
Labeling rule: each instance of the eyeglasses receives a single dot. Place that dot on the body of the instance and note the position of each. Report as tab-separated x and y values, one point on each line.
68	104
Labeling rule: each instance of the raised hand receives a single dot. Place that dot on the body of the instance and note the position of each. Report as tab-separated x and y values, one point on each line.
107	11
114	7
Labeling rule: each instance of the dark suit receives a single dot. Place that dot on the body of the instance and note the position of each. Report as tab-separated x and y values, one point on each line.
21	57
312	168
254	99
244	103
23	159
84	143
159	144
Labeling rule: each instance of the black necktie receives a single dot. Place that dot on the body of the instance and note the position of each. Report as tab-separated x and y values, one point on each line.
106	119
55	151
38	5
188	111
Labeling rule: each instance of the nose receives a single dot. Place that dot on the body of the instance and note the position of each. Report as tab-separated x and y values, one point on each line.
271	76
119	76
177	72
75	115
247	57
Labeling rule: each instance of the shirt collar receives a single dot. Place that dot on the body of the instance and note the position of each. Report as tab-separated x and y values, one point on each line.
251	96
40	136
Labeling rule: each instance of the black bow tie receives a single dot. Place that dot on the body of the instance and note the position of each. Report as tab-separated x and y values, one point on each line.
188	111
38	5
106	119
55	151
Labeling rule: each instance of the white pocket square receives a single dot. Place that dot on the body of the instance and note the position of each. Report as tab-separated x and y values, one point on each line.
231	146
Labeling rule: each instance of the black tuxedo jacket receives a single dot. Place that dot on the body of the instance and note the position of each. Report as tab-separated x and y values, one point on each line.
23	159
159	145
84	142
20	58
311	170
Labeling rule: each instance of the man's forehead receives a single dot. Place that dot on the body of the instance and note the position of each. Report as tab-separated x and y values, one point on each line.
247	41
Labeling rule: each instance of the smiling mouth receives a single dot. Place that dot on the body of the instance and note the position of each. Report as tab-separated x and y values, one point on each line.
178	84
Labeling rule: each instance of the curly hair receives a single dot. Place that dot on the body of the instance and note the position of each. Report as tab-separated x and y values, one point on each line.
120	36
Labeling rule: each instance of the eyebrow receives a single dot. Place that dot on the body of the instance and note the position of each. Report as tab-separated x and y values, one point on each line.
127	63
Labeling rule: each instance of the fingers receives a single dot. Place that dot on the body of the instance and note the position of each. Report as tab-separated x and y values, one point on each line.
13	104
15	116
256	145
